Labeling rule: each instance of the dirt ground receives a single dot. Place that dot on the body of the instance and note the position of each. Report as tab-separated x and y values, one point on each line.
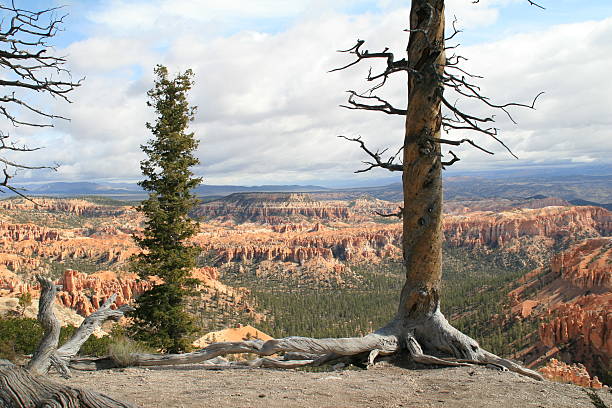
380	386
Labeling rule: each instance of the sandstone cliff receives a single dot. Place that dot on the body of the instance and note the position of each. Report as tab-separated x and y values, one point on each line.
586	265
573	300
239	333
278	208
84	293
573	373
71	206
491	229
30	241
347	244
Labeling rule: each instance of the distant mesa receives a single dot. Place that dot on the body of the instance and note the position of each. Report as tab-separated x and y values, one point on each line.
582	189
278	208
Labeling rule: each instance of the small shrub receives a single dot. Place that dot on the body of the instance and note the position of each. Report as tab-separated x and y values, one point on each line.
18	336
25	300
7	351
121	350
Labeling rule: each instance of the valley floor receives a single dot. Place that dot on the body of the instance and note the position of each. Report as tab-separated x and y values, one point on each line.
382	386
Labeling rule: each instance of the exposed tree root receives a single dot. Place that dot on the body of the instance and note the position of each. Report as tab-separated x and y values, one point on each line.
439	337
434	342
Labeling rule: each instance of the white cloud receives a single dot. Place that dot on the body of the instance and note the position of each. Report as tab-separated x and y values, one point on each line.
268	109
569	62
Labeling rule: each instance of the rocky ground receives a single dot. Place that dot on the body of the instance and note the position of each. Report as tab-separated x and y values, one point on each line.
381	386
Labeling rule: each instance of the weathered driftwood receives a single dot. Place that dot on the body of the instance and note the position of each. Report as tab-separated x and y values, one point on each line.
305	351
68	350
28	388
39	364
21	389
48	353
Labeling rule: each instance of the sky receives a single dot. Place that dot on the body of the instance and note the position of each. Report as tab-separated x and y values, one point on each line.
268	109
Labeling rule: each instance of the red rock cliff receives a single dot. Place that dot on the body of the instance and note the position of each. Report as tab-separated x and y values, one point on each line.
497	229
587	265
573	300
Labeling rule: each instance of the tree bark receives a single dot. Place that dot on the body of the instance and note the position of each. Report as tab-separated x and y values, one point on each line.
422	177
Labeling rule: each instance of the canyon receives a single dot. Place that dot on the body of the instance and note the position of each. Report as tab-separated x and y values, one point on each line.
294	238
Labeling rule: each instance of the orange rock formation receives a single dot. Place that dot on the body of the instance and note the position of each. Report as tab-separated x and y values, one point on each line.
24	232
576	373
239	333
586	323
85	293
71	206
278	208
573	298
586	265
287	243
497	229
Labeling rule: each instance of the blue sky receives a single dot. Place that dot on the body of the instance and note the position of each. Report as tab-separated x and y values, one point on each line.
268	109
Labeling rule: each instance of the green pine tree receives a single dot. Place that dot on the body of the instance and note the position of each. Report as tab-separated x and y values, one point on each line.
160	318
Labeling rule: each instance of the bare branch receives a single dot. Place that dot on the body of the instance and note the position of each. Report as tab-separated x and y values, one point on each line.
535	4
528	1
29	64
384	106
464	88
23	166
455	30
392	65
451	161
5	183
399	214
458	142
389	165
13	146
473	122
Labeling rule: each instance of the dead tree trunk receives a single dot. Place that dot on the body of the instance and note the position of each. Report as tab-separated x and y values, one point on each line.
28	388
422	174
19	388
419	313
